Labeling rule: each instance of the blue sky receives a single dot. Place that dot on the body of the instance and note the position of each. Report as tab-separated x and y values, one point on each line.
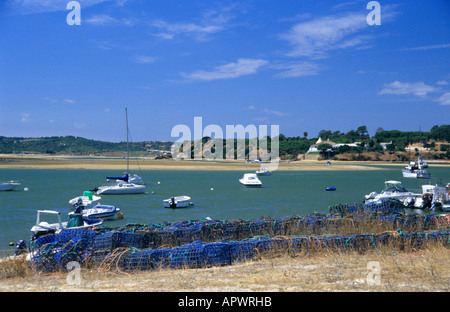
303	65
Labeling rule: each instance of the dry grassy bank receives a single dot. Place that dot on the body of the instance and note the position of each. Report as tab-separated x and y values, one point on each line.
415	271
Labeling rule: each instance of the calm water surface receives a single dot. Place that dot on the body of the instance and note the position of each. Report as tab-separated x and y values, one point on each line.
215	194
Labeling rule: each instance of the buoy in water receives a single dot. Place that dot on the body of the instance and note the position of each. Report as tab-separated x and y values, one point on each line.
120	215
25	189
212	189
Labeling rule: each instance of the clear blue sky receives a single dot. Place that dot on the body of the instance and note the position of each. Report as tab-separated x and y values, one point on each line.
301	64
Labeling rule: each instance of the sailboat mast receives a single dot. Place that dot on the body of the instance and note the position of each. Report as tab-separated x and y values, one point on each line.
128	161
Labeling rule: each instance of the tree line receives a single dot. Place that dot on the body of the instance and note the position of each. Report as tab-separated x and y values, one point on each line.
288	146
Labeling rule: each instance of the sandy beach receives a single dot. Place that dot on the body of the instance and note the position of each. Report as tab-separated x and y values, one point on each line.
71	162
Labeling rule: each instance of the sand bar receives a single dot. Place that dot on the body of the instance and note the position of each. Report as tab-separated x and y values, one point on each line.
71	162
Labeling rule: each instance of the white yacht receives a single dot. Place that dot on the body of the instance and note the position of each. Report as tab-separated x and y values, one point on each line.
125	184
250	179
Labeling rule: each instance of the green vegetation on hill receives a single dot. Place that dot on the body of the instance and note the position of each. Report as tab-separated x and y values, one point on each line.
436	140
71	145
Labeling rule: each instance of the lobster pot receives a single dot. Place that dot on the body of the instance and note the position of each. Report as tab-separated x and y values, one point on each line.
86	235
187	256
113	240
298	244
272	247
243	250
147	259
42	241
217	254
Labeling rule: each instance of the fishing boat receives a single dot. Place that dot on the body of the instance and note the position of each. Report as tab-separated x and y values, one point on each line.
9	185
392	190
331	188
125	184
263	172
177	202
415	170
250	179
76	221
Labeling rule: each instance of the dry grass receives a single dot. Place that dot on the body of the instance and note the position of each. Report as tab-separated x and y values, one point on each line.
400	271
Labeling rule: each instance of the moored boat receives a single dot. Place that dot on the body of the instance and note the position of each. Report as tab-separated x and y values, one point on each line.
177	202
9	185
263	172
416	170
392	190
250	179
75	222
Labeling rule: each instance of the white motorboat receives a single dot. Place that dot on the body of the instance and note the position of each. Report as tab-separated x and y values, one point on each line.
433	197
125	184
177	202
263	172
89	206
9	185
99	212
75	222
250	179
415	170
86	201
392	190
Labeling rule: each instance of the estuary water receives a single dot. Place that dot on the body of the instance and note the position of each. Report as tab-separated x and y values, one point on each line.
215	194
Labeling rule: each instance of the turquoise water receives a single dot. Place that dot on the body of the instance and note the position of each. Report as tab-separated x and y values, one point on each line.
215	194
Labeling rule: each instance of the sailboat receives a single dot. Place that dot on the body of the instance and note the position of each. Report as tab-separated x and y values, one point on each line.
125	184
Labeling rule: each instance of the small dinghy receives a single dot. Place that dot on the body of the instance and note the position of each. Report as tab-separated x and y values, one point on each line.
177	202
331	188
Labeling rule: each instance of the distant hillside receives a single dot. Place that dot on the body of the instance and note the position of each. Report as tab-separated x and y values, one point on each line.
70	145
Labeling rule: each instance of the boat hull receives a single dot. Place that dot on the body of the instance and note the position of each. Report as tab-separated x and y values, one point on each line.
9	186
121	189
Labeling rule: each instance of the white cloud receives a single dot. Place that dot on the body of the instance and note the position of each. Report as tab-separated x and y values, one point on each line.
274	112
25	118
442	83
143	59
200	32
419	89
429	47
240	68
444	99
39	6
316	37
211	22
106	20
297	69
69	101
